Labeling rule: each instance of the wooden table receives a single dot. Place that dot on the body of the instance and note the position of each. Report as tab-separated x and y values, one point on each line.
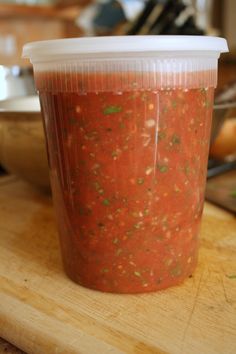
43	312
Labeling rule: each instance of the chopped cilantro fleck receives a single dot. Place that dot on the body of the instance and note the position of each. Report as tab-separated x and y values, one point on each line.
174	104
161	135
137	225
112	109
114	154
115	241
175	272
106	202
140	180
187	170
73	120
165	110
175	139
162	168
104	270
146	212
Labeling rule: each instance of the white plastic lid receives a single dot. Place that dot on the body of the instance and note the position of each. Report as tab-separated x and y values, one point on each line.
117	45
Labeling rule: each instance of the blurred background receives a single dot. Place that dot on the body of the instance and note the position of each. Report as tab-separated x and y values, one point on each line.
23	21
22	144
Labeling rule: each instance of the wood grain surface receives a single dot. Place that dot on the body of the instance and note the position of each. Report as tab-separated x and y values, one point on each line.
43	312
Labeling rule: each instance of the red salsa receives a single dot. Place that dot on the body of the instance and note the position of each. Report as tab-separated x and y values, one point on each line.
128	174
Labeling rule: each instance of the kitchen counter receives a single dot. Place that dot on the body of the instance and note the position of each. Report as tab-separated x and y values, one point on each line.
43	312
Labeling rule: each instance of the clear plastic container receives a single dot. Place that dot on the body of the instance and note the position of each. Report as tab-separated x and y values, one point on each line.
127	122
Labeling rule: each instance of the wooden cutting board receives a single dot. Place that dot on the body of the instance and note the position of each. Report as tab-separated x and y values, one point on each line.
43	312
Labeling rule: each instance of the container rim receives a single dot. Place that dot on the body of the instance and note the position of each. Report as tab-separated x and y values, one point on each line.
116	45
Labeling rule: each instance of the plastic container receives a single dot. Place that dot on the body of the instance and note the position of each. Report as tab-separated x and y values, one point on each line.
127	121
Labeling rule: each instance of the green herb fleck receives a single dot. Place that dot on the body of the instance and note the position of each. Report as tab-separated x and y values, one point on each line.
118	252
140	180
175	272
122	125
161	135
159	237
137	225
187	170
207	104
138	274
98	188
165	110
175	139
104	270
162	168
112	110
106	202
115	241
97	185
174	104
73	121
146	212
114	154
231	276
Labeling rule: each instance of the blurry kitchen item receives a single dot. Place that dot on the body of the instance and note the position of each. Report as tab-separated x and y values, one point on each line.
217	167
174	17
227	93
16	81
204	14
220	114
221	190
224	146
22	143
165	20
109	14
7	45
223	137
135	26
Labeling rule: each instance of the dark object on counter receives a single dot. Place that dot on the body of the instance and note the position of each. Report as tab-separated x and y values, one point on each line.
109	15
221	190
220	113
227	93
136	26
165	20
216	168
165	17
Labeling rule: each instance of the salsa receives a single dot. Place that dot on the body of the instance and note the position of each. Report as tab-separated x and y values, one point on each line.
128	171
